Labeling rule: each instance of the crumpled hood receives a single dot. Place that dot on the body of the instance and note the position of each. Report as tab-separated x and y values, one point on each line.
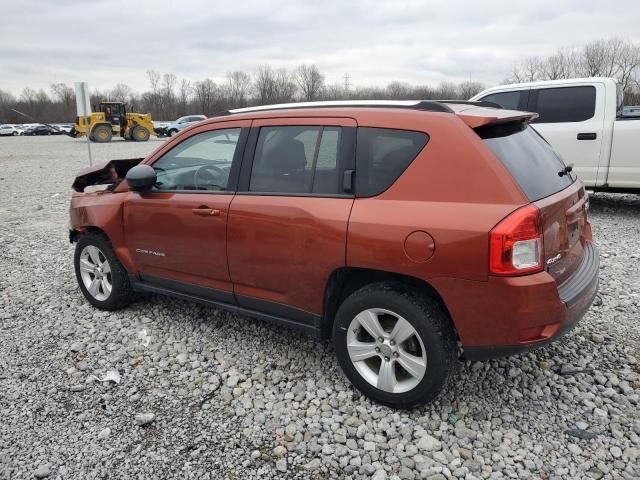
106	173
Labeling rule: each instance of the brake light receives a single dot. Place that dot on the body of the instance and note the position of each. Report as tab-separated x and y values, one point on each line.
515	244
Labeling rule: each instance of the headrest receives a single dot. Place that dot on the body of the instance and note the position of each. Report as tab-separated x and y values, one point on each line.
285	156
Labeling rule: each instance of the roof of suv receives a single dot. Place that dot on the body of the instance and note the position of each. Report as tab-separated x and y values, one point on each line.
474	114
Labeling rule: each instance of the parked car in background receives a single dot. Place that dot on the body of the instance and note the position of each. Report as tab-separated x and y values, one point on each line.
65	127
9	131
631	111
400	230
42	130
583	120
182	123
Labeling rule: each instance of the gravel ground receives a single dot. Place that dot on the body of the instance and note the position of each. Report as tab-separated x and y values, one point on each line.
207	394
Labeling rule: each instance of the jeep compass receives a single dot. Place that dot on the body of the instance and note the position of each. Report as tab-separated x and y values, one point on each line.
411	233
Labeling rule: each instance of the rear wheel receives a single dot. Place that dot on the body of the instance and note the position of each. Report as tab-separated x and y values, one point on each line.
101	277
101	134
140	134
395	344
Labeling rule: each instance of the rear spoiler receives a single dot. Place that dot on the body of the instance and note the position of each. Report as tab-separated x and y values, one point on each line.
109	173
477	116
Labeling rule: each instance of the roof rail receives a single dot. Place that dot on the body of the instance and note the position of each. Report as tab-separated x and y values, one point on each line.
425	105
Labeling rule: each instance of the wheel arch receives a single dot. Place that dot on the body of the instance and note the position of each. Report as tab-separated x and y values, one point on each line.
76	233
345	280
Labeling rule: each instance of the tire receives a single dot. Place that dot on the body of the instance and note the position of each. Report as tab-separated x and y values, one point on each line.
94	248
101	134
431	348
172	132
15	134
140	134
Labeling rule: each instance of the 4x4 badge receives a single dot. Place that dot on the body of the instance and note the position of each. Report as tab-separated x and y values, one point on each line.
555	259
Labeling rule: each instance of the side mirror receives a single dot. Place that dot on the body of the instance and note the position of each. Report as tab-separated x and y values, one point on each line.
141	178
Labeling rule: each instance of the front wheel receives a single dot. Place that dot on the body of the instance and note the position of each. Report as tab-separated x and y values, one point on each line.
140	134
102	278
395	344
101	134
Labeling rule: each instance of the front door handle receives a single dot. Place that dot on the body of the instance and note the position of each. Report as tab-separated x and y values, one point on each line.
587	136
206	212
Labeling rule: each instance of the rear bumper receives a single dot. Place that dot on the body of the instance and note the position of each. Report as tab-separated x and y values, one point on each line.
539	312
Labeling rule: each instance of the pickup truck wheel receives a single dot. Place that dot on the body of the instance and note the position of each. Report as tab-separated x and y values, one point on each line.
102	278
395	344
140	134
101	134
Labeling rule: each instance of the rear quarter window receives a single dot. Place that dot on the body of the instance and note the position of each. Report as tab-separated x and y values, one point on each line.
528	157
382	155
564	104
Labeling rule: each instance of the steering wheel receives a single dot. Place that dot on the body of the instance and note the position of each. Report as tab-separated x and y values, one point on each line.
208	175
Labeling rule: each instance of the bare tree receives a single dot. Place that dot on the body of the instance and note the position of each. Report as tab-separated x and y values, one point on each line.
398	90
206	93
468	89
594	55
63	93
628	64
265	84
446	91
554	67
153	97
154	80
121	93
335	91
184	96
310	81
284	86
238	88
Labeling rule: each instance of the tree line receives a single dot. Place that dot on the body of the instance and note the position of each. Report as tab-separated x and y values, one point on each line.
614	57
169	97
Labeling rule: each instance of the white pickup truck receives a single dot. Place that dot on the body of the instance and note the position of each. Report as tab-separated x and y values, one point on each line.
582	119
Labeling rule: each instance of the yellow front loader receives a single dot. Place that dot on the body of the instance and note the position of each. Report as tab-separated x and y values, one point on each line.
112	119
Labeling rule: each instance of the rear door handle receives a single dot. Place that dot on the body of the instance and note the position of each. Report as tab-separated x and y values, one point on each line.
206	212
587	136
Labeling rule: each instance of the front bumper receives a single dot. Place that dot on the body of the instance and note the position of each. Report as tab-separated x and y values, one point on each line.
543	322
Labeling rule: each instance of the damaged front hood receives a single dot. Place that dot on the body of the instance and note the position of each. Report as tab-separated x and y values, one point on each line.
109	173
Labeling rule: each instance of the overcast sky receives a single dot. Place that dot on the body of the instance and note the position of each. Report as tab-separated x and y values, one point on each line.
375	42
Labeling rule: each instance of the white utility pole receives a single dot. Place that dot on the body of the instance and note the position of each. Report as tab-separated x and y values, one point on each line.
83	106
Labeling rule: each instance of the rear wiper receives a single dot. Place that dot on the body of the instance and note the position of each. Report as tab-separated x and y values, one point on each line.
565	170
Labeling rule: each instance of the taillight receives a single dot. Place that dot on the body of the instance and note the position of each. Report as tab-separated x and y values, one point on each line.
515	244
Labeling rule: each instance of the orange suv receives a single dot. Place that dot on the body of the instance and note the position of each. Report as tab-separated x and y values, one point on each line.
411	233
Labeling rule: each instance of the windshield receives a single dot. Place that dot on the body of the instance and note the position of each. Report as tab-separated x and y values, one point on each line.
529	158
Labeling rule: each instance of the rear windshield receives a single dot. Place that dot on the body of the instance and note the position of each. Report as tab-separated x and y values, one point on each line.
528	157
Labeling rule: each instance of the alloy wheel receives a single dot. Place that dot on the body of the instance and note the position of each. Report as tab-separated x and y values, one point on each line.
386	350
95	272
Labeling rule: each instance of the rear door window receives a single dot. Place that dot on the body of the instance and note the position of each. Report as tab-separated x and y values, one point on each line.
528	157
297	159
516	100
382	155
564	104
